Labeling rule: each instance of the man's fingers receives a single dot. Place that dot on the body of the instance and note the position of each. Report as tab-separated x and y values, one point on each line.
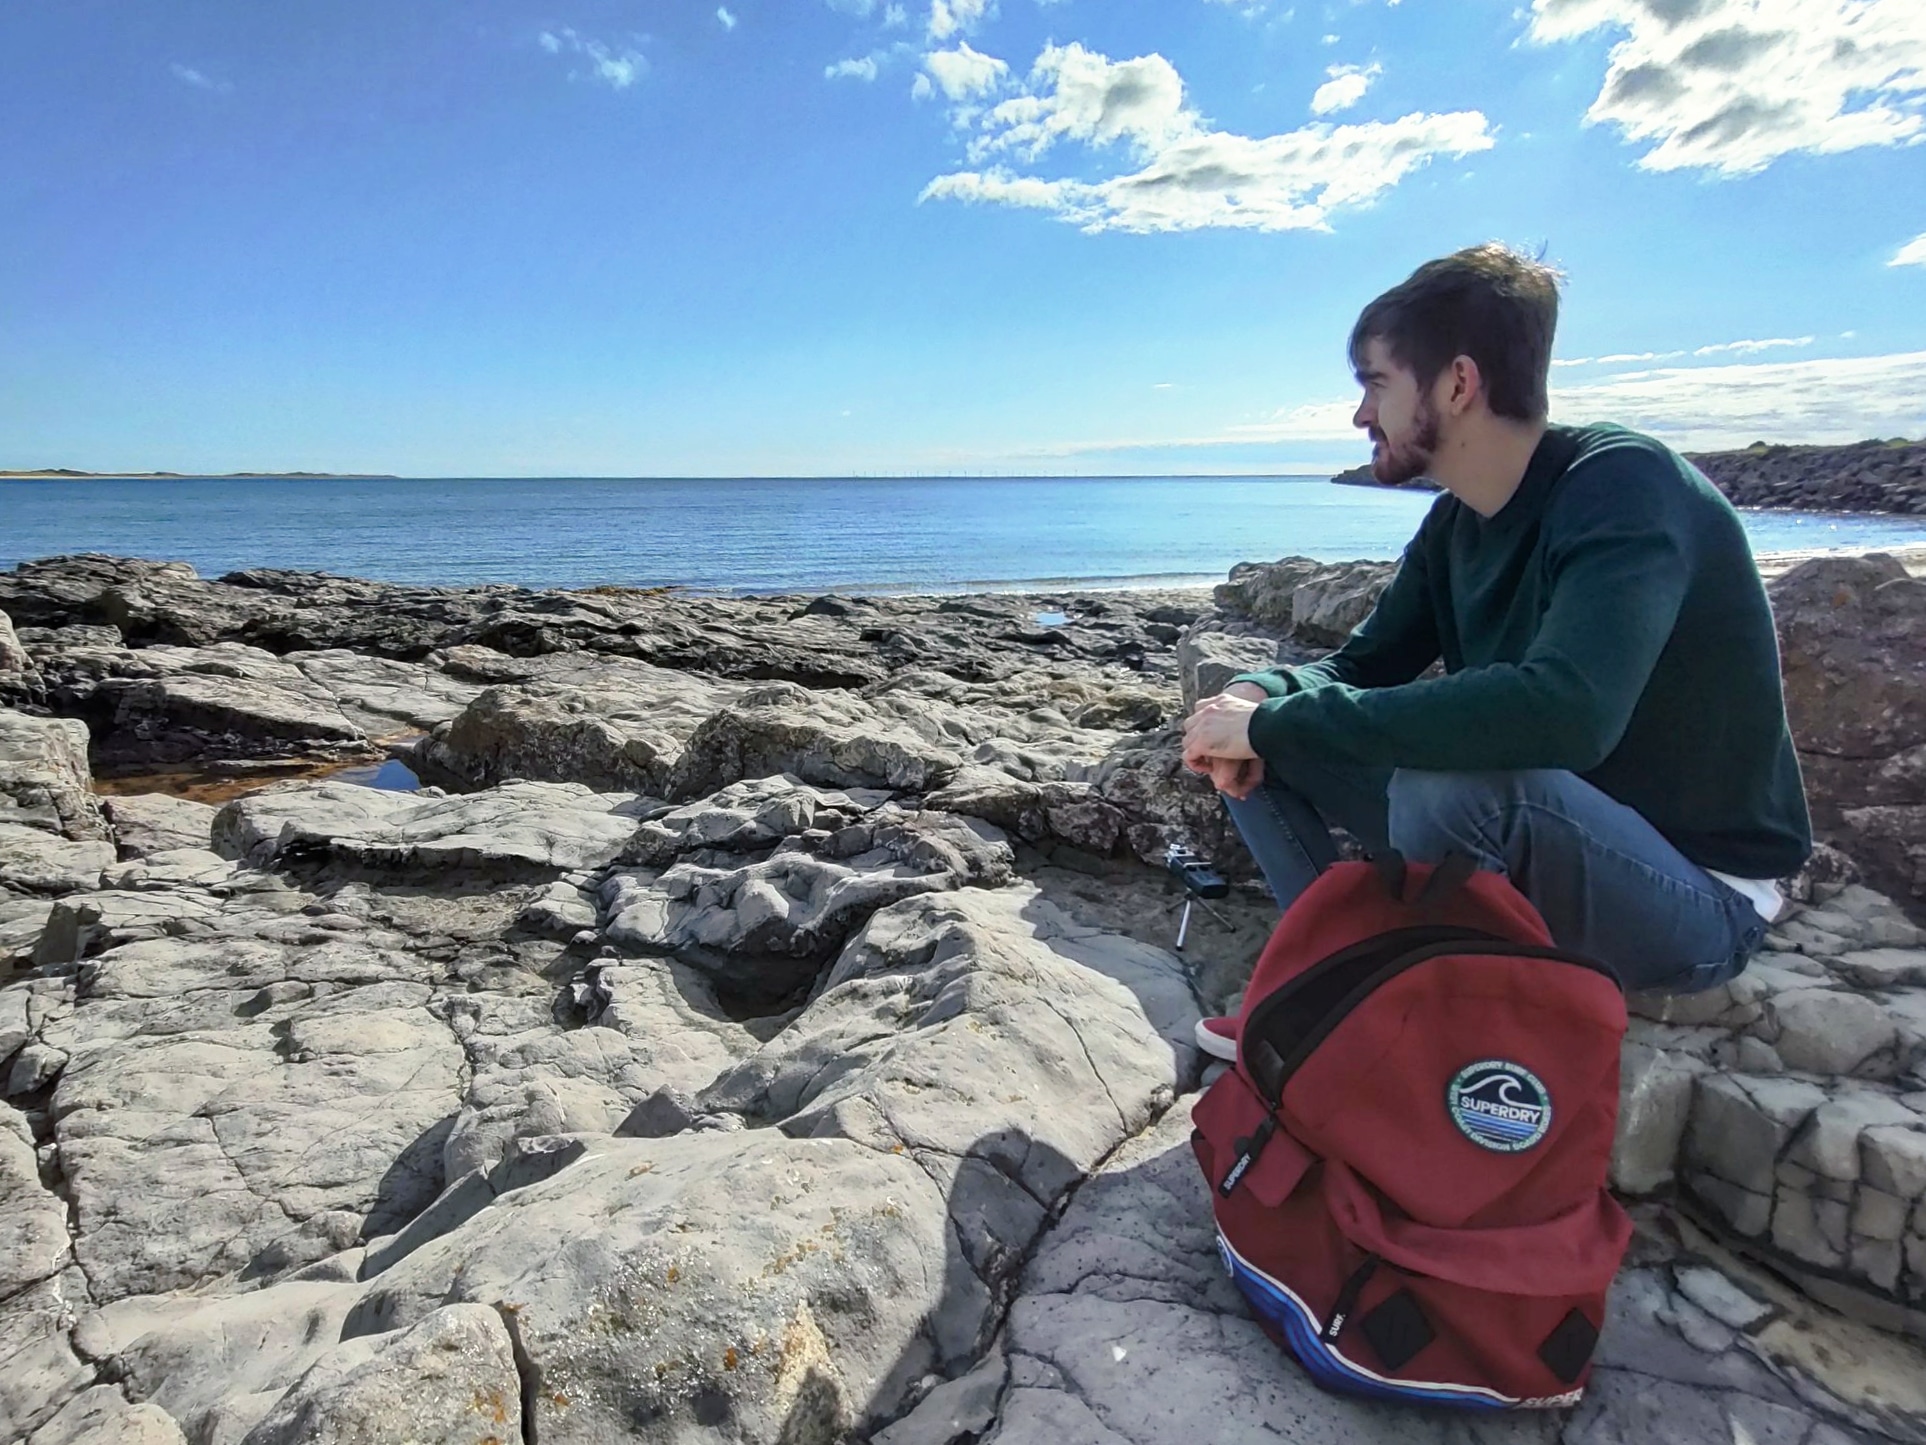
1238	777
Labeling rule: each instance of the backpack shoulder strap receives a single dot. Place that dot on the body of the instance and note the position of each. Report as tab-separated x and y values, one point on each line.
1451	874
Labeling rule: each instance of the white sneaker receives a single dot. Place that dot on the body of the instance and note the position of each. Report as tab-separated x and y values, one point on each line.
1218	1038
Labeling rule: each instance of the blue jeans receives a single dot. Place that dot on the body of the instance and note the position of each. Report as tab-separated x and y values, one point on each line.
1604	880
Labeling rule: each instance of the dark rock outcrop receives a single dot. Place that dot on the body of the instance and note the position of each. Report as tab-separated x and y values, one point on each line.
1869	476
1852	642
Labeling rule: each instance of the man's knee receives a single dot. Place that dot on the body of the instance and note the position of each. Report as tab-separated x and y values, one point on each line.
1433	813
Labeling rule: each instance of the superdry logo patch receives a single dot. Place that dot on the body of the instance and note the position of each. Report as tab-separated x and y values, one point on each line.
1499	1105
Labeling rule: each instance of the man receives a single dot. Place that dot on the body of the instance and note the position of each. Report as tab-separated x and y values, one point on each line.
1609	730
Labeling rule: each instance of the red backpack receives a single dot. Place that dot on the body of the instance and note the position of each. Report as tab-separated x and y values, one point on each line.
1407	1161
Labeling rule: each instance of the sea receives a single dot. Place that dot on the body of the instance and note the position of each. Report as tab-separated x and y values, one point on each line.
755	535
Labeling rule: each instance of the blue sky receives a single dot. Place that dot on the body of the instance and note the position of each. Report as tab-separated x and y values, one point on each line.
606	237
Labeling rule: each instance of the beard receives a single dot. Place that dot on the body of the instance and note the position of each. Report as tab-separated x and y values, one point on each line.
1406	461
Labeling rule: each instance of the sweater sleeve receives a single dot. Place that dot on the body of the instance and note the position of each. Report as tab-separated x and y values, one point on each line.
1394	644
1618	576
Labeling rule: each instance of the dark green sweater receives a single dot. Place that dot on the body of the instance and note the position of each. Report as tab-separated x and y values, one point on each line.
1609	620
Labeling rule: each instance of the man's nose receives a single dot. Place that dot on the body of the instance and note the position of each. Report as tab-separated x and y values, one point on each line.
1365	415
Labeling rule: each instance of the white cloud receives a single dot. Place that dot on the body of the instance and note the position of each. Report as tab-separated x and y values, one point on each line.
1717	348
962	73
200	80
1913	253
1834	399
1317	421
1617	357
1747	348
727	18
1076	94
617	69
862	68
958	17
1188	177
1732	85
895	17
1344	89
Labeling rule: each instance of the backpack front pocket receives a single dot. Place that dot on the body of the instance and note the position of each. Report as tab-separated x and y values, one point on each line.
1242	1146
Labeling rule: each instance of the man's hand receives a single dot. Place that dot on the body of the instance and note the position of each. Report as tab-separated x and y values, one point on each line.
1237	777
1217	740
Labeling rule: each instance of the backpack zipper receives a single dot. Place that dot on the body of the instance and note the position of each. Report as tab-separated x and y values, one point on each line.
1263	1061
1388	969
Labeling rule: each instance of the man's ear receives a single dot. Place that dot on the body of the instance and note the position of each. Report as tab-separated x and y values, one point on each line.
1461	386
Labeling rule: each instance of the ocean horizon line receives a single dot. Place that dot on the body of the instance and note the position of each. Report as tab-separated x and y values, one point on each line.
44	475
770	537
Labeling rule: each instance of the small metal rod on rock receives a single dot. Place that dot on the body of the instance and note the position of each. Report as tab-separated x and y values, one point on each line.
1183	923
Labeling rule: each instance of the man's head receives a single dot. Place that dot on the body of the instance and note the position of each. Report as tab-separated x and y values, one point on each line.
1466	337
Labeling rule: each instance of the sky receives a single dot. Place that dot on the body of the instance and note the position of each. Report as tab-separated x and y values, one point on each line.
830	237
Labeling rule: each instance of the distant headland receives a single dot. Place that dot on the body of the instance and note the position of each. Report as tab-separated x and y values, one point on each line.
68	474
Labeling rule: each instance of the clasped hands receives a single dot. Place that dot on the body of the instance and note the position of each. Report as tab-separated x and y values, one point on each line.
1217	740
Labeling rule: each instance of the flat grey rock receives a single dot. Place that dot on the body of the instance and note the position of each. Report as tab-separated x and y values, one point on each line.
158	823
383	696
166	705
518	827
42	1371
611	722
45	778
766	928
102	1416
213	1099
448	1380
831	740
21	922
777	1284
1005	1047
34	860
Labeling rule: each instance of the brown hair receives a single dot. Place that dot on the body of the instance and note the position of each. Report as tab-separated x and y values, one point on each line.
1491	303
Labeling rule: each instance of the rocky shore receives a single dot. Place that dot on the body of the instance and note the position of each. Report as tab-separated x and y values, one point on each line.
1868	476
763	1025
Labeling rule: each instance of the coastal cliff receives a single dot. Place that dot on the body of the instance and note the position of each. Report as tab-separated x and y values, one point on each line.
764	1025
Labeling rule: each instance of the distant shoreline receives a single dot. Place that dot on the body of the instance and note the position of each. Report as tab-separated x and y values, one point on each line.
1314	474
64	474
